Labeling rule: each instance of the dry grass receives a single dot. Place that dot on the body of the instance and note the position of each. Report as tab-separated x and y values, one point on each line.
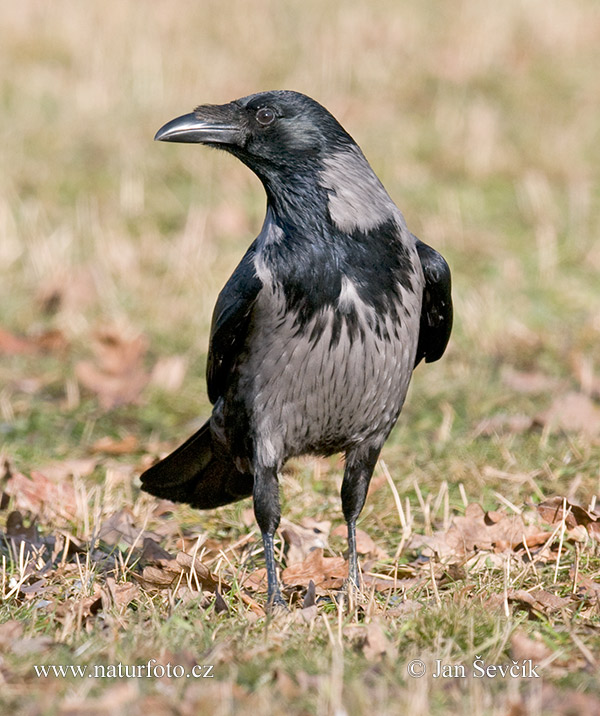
481	119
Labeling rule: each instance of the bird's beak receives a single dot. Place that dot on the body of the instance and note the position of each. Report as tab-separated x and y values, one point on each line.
208	124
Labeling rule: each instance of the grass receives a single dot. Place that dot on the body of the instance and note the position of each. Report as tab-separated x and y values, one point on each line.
481	120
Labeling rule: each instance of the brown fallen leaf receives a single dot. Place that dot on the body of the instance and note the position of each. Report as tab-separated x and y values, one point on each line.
199	572
325	572
51	341
167	572
370	639
121	594
538	599
48	341
67	545
33	589
156	576
152	551
63	469
303	538
256	581
478	530
572	412
14	345
187	572
529	381
188	543
41	496
117	375
376	645
125	446
120	527
524	647
555	508
489	530
80	609
587	588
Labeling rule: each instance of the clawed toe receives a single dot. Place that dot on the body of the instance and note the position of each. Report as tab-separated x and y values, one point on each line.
277	606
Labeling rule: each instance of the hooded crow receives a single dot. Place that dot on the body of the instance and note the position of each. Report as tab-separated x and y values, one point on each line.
315	336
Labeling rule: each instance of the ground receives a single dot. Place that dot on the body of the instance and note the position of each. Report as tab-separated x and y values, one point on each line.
479	541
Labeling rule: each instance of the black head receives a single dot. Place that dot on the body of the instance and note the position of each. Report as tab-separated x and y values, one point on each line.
267	131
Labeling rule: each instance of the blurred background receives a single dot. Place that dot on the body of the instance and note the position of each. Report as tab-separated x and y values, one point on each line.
480	118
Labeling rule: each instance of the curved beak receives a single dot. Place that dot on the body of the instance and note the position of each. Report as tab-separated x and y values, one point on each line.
208	124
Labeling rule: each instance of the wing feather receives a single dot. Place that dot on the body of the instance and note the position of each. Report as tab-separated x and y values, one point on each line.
436	310
230	323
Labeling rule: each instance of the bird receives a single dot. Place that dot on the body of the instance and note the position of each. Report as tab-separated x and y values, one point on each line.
315	335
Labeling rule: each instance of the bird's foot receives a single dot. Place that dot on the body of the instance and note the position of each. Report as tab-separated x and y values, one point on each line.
277	605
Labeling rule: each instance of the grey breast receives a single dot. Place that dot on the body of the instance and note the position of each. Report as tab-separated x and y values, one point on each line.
315	396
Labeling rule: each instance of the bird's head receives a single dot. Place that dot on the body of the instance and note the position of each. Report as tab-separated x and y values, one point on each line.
267	131
304	157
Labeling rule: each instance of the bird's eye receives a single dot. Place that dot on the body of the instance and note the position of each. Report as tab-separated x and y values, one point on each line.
265	116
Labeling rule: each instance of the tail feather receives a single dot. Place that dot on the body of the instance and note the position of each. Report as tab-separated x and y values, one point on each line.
198	472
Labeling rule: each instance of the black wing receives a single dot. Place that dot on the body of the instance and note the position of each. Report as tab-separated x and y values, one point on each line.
436	311
230	322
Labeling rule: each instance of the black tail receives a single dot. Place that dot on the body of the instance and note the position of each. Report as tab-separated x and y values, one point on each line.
200	473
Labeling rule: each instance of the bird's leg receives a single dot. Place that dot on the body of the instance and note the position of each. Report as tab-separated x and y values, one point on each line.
267	513
352	556
360	463
274	597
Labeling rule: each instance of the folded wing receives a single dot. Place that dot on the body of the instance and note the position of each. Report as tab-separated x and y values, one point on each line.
436	310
